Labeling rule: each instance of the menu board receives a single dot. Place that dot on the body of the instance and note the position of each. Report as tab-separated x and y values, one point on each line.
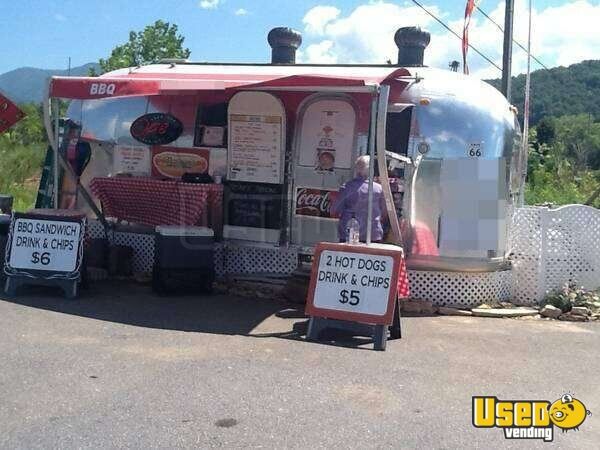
254	205
255	148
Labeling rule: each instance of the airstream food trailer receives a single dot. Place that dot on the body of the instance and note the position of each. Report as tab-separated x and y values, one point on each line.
279	140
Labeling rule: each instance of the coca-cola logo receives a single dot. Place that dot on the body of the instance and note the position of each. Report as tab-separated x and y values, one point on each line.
315	202
156	128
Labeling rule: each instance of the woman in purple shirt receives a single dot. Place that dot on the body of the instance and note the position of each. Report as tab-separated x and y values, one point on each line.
353	200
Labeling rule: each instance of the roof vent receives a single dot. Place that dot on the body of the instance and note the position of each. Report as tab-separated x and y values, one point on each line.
173	61
411	42
284	42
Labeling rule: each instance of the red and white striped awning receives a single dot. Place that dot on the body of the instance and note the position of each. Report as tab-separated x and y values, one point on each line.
164	82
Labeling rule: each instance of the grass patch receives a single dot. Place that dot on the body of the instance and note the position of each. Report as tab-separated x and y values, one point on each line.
20	169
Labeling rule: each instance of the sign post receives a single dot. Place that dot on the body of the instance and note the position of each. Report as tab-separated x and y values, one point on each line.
356	284
44	250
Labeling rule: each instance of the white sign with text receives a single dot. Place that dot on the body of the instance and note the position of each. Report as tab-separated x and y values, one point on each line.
353	282
132	159
255	148
45	245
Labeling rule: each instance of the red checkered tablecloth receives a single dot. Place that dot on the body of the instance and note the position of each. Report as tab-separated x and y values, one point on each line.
156	202
403	290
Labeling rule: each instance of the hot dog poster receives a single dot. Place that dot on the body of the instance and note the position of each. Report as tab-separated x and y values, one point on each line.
173	162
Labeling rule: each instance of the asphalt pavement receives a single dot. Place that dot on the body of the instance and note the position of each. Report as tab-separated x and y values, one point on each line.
124	368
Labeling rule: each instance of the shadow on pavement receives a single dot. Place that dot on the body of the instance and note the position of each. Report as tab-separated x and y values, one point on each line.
134	304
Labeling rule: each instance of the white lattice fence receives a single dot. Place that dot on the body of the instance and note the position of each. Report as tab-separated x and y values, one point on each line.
525	243
258	258
228	257
551	247
460	289
571	250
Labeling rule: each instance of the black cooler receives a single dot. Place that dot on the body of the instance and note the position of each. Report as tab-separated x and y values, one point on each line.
183	260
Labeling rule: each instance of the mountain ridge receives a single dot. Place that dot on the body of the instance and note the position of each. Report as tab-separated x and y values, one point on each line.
559	91
27	84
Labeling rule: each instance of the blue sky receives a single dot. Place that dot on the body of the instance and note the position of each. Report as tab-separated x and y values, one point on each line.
42	33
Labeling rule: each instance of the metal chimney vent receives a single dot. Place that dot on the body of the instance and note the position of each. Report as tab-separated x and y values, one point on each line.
411	42
284	42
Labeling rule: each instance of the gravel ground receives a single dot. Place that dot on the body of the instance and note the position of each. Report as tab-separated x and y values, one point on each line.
124	368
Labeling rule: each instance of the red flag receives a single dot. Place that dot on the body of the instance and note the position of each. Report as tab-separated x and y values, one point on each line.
9	114
465	39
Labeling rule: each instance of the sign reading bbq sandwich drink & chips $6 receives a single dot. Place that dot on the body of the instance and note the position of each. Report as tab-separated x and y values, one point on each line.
44	248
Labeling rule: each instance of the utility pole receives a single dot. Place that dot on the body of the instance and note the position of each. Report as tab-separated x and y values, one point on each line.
507	48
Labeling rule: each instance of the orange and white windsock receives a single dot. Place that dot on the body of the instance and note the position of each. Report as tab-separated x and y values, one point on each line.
465	38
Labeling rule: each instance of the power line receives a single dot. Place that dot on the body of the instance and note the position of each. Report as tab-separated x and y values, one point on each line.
514	40
456	34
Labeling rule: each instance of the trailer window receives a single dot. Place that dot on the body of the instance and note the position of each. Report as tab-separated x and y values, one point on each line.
456	129
397	131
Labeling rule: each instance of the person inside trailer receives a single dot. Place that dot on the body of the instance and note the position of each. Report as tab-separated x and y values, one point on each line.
353	201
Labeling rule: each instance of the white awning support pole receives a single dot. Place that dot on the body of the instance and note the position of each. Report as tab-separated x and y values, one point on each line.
372	133
55	113
47	119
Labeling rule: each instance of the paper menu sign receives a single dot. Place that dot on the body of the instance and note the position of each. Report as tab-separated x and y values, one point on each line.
131	159
255	148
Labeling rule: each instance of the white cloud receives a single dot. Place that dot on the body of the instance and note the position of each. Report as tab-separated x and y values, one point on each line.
562	35
365	35
60	17
209	4
320	53
241	12
318	17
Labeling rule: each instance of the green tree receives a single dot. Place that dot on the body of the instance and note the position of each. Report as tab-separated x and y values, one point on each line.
567	170
579	136
29	130
559	91
546	131
154	43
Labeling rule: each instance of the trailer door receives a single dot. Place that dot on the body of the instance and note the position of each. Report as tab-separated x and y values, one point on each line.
324	152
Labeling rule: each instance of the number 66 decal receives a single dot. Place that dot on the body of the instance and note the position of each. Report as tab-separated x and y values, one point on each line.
475	150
